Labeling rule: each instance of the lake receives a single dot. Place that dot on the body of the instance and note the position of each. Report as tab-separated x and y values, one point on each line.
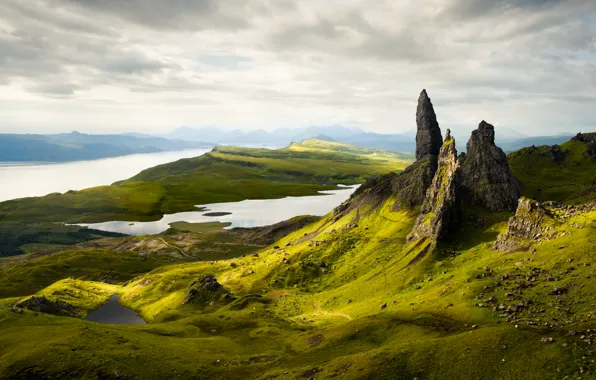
112	313
247	213
19	180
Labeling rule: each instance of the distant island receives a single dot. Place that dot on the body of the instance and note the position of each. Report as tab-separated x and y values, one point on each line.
75	146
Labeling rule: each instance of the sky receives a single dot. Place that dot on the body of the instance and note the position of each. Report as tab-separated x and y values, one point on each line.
111	66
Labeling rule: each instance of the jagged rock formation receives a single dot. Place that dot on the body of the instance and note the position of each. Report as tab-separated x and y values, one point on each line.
439	213
589	139
532	223
409	186
428	137
486	179
206	291
44	305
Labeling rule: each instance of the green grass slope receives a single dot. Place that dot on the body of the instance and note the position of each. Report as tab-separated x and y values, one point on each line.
339	298
542	176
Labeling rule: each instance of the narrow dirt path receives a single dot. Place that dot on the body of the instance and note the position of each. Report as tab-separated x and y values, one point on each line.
176	248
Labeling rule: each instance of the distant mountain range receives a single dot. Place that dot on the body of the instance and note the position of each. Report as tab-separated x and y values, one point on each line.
508	139
77	146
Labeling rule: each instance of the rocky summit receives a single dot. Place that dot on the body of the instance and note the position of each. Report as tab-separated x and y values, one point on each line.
428	137
486	178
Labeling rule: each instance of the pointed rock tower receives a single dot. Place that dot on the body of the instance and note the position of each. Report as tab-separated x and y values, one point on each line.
411	185
428	136
439	213
486	179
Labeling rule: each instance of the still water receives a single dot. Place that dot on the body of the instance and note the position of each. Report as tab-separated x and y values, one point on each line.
19	180
112	313
247	213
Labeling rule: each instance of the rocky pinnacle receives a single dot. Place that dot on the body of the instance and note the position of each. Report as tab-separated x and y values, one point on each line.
439	213
428	138
486	178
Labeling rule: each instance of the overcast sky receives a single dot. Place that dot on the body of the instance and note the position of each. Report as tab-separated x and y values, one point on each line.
151	66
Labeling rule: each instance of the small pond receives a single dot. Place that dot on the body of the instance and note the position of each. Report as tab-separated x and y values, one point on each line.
247	213
112	313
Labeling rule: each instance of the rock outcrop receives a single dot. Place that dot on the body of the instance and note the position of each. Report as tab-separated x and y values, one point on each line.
486	179
589	139
439	213
44	305
206	291
428	137
532	222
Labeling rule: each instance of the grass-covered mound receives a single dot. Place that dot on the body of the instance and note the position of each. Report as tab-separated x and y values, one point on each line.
565	173
339	298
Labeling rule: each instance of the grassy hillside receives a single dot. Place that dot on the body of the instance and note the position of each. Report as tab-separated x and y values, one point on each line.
339	298
567	174
226	174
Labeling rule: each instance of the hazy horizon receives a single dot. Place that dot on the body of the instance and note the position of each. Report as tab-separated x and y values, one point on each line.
149	66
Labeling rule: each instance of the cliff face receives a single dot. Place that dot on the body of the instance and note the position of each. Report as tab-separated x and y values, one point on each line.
439	213
486	179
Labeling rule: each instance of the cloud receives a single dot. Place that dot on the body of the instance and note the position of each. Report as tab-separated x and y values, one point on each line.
274	63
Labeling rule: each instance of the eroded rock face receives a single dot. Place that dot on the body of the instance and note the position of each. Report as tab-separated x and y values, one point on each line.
411	184
532	222
44	305
486	179
589	139
439	213
428	137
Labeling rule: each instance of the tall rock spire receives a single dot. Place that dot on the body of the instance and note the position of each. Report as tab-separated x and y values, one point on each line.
486	178
428	137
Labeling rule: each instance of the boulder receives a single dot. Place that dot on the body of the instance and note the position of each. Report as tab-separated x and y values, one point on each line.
486	179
